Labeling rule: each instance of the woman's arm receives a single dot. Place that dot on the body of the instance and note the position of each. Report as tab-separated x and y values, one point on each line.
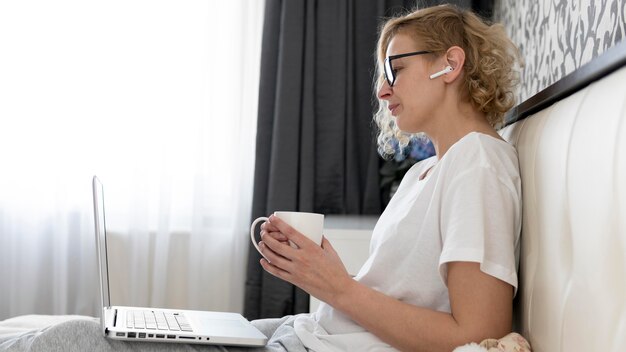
481	305
481	308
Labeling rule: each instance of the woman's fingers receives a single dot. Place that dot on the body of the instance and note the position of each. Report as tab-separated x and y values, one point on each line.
289	232
268	227
273	257
277	247
274	270
275	235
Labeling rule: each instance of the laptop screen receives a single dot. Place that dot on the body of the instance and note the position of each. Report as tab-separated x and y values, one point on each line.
101	243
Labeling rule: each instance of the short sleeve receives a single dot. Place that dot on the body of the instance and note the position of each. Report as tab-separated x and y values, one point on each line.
480	222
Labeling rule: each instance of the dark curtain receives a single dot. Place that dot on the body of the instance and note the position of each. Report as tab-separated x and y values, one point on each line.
484	8
315	149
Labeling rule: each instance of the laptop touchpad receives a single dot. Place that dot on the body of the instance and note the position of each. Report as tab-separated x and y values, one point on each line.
222	325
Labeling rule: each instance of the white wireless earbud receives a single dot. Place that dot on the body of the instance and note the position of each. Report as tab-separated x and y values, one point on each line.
442	72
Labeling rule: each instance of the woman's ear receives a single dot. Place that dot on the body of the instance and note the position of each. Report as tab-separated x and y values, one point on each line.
455	58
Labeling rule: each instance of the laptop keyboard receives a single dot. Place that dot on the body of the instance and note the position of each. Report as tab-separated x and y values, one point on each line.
157	320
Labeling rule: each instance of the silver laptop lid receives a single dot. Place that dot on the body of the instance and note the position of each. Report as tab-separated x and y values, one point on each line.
212	327
101	243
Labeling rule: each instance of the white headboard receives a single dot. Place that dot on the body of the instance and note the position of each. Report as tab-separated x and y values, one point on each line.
572	155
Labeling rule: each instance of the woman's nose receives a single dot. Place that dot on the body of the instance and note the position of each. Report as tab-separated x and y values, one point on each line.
385	91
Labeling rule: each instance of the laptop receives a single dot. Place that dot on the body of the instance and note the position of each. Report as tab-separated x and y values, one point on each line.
164	325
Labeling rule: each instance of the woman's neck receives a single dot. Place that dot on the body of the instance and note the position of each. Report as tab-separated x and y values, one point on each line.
455	124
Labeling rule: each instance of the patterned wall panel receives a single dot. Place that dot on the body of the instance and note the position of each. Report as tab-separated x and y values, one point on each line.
558	36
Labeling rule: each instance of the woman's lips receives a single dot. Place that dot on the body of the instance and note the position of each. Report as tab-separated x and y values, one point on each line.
392	108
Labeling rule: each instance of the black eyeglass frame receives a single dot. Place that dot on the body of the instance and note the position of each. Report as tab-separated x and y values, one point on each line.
390	74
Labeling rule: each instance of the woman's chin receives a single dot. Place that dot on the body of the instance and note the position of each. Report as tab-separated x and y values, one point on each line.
404	127
410	124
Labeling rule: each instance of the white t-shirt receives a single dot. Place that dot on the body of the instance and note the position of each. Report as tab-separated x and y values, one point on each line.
468	208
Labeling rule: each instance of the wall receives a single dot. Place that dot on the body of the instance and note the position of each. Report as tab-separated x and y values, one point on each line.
556	37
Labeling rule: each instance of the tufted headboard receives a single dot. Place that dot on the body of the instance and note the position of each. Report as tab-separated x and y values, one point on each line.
571	141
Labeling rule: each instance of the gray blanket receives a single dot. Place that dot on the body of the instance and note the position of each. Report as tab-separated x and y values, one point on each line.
84	334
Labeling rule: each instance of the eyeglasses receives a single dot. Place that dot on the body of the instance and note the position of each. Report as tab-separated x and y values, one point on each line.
390	73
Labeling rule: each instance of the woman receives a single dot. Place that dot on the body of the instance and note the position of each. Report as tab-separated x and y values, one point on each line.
442	267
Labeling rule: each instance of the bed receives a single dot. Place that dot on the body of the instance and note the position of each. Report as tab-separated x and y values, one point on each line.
571	140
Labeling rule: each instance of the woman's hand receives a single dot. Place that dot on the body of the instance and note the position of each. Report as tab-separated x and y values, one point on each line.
316	269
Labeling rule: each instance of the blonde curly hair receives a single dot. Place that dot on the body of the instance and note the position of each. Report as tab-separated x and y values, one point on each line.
491	66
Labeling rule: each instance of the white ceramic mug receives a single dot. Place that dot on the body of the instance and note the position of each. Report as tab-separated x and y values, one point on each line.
309	224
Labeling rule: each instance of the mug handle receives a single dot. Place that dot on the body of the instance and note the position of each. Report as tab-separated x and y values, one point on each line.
256	245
